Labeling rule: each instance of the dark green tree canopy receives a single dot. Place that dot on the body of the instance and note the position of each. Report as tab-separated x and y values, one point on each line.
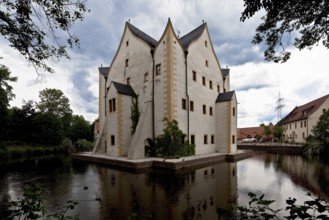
6	90
54	101
309	20
31	27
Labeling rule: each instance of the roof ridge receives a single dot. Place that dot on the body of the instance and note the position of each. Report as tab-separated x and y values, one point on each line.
188	38
142	35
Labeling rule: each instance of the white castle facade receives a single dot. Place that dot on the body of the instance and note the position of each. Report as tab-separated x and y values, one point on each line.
175	78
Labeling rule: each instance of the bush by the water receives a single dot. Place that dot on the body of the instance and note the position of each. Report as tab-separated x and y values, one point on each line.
83	145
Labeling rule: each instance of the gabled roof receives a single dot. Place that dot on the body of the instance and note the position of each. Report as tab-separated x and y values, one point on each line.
224	97
104	71
251	132
124	89
303	111
141	35
187	39
225	72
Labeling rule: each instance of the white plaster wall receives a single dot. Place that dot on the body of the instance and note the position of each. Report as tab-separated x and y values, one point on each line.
203	124
234	124
126	123
314	118
222	126
101	100
112	150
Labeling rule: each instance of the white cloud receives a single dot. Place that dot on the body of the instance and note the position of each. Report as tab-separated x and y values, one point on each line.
300	80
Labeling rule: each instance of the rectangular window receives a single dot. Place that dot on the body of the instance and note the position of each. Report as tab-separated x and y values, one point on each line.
158	69
192	139
127	43
113	105
212	139
184	104
207	65
191	106
110	105
218	88
204	110
295	125
127	62
323	110
304	123
205	43
194	75
301	124
203	80
146	77
303	135
210	84
289	126
233	139
112	140
128	81
210	110
205	139
233	111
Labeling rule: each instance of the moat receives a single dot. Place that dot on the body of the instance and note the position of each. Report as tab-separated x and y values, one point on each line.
203	193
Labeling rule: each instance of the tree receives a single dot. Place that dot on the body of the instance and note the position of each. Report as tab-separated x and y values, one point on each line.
6	94
80	129
278	132
282	19
54	101
321	133
6	90
32	27
267	131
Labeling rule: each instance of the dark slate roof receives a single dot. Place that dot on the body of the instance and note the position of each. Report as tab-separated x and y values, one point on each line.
304	111
187	39
226	96
225	72
104	70
124	89
143	36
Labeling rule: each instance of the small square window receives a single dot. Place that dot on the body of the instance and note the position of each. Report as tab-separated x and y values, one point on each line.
210	84
158	69
212	139
204	80
192	139
210	110
194	75
191	106
112	140
184	104
205	139
127	62
204	110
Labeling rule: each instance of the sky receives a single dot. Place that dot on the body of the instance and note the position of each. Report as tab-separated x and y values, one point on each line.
257	83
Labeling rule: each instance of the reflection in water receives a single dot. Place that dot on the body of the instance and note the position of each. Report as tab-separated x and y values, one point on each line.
204	193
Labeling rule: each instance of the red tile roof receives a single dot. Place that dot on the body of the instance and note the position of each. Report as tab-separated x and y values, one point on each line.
251	132
303	111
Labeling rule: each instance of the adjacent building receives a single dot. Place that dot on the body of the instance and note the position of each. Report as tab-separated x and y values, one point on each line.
298	124
175	78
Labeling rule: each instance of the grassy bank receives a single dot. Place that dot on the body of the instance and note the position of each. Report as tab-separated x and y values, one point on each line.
15	151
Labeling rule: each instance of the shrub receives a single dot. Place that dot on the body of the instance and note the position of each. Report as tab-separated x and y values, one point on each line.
83	145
